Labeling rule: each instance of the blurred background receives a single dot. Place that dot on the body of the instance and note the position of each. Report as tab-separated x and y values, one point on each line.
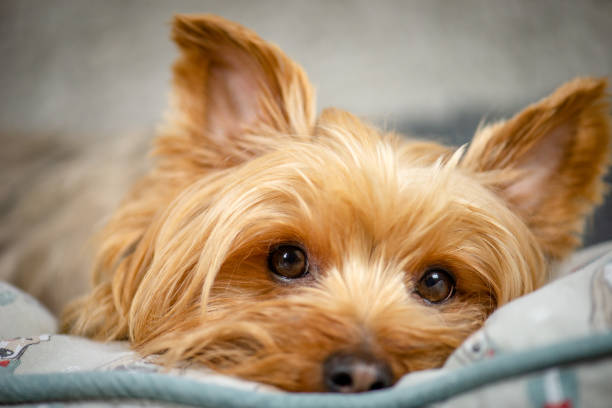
82	73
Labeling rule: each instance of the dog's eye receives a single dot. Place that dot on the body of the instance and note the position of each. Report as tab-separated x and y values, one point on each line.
288	261
436	285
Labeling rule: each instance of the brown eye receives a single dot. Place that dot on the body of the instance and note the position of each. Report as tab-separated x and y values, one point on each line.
436	285
288	261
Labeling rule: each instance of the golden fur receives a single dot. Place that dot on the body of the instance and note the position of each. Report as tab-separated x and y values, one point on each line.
244	164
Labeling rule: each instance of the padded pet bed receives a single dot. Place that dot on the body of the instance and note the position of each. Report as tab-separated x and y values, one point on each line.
552	348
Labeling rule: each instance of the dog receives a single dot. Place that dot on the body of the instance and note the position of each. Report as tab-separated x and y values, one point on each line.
317	253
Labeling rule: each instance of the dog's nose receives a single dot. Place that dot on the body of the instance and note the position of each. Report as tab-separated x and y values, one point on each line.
355	372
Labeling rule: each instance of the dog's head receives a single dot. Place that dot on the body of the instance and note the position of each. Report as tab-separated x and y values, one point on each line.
318	253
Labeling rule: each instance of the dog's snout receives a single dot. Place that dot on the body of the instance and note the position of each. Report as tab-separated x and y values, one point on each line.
355	372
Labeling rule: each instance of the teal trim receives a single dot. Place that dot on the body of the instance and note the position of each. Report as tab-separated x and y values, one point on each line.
162	387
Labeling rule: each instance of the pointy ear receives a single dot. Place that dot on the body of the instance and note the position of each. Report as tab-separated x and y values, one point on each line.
548	161
229	83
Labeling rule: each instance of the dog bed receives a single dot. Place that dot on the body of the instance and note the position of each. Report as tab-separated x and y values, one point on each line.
552	348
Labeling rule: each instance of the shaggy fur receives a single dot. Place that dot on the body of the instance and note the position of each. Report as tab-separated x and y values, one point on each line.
244	164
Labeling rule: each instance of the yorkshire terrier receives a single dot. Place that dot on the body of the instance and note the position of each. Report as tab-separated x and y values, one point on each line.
317	253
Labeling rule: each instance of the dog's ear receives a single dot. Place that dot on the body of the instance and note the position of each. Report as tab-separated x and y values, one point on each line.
548	161
230	85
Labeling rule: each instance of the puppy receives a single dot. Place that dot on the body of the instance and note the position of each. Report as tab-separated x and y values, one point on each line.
319	253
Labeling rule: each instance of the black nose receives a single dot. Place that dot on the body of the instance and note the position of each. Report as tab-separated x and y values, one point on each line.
355	372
